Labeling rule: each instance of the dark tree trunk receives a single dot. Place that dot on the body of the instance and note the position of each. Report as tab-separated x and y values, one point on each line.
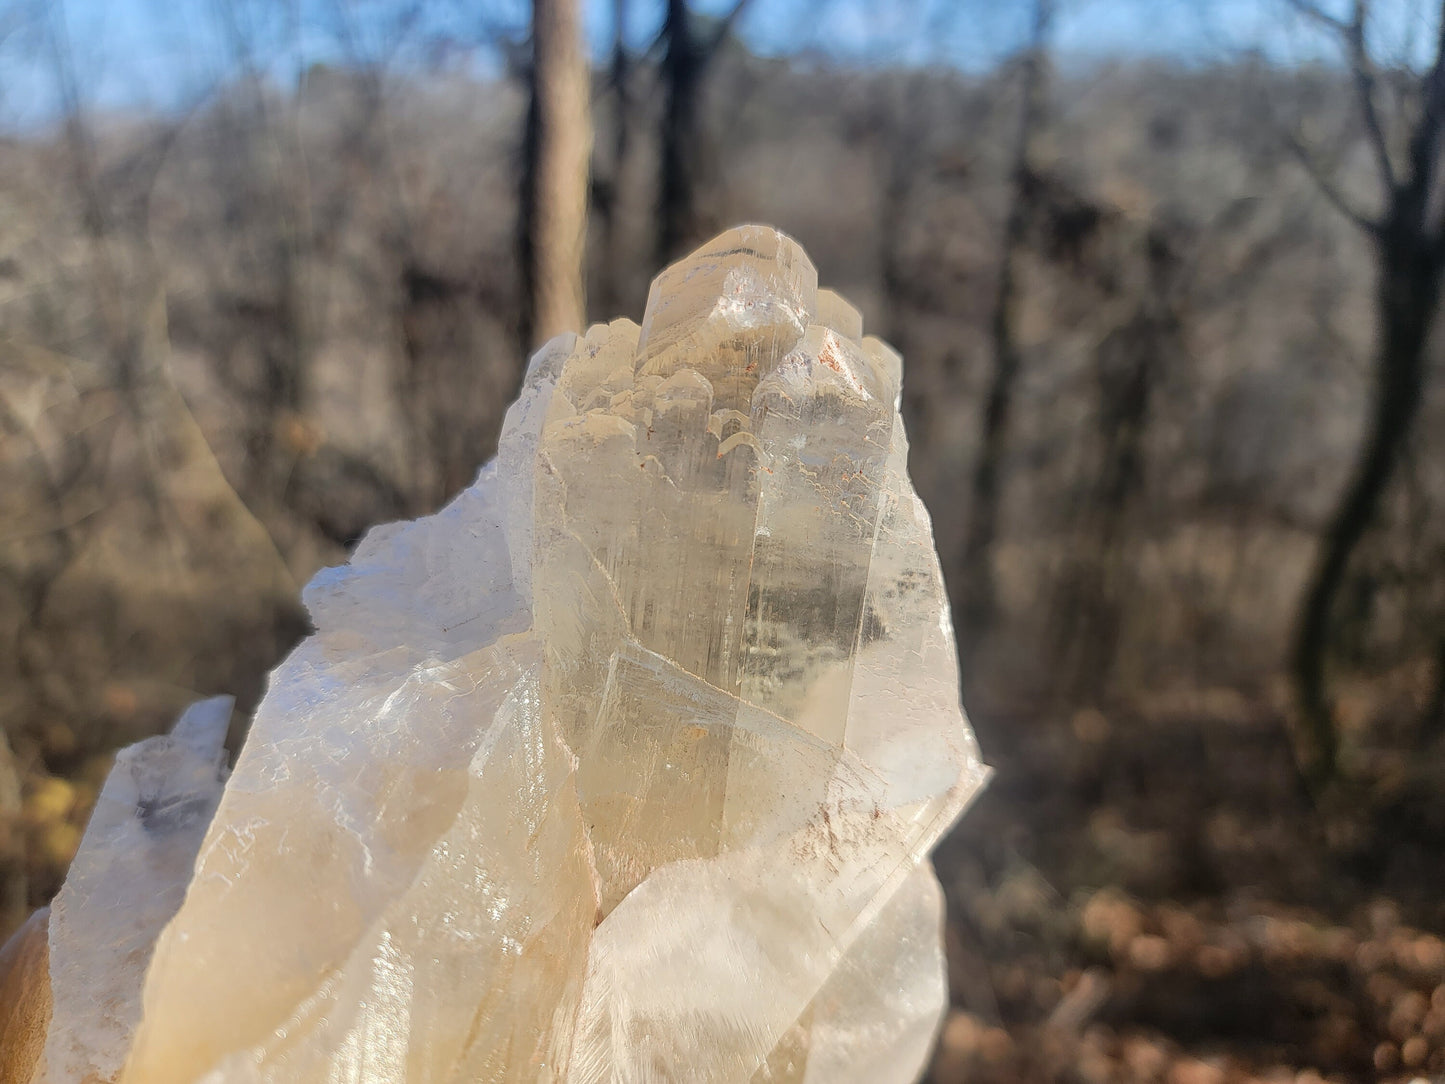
682	70
526	215
979	602
1409	250
687	55
1088	620
608	195
1407	298
1433	718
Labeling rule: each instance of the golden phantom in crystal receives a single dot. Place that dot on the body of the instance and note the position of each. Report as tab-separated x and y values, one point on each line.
624	766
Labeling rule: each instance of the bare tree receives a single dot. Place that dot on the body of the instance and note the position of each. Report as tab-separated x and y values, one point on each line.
554	195
1408	239
1138	291
689	49
268	196
607	191
979	593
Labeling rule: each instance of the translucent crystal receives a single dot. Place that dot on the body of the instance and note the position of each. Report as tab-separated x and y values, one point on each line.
125	884
624	766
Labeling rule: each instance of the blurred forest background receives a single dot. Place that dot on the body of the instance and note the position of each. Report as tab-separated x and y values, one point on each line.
1164	276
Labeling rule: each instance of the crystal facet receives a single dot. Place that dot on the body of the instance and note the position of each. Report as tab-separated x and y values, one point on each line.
624	766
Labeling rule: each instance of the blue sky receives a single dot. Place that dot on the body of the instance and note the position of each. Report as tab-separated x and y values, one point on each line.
164	54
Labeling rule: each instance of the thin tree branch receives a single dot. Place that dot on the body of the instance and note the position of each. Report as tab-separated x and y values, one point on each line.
1351	35
1435	82
1362	69
1320	17
1327	186
703	52
725	27
1425	143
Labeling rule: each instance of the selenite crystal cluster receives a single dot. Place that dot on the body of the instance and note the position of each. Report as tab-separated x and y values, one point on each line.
625	766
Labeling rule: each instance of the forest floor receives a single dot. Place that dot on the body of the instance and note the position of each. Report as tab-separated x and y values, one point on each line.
1154	896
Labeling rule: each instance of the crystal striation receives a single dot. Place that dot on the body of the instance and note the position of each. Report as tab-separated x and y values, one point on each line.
625	766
